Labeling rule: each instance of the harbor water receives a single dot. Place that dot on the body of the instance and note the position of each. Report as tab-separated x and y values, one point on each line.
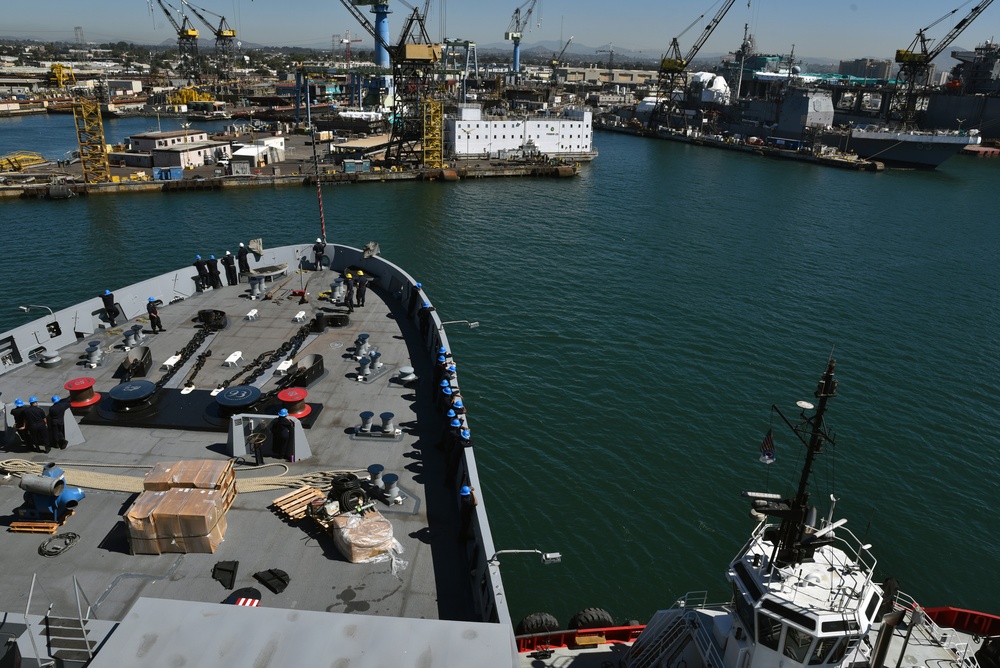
637	323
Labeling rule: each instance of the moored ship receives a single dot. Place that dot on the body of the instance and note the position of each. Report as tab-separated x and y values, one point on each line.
359	537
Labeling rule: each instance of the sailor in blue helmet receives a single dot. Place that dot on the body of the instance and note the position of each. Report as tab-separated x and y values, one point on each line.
202	269
36	425
214	276
281	435
416	297
109	307
467	501
424	319
154	315
57	422
229	263
17	412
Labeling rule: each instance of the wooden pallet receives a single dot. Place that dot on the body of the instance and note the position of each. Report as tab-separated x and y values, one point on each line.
41	526
293	505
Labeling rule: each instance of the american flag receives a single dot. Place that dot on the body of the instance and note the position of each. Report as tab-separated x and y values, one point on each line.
767	447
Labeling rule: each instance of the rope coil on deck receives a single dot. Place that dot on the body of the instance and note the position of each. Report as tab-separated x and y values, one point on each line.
110	482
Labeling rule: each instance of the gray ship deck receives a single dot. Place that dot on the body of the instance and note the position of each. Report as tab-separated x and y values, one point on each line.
433	584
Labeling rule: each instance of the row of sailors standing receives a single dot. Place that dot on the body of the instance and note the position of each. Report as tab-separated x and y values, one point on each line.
38	429
209	275
457	435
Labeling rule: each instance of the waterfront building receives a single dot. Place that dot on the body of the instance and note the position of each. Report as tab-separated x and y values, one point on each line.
174	148
567	135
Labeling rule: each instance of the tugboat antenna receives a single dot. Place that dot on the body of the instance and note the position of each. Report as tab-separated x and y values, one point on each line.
787	550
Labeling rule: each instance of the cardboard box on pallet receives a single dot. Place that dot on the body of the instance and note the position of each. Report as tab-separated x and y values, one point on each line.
177	520
139	517
182	544
187	512
194	473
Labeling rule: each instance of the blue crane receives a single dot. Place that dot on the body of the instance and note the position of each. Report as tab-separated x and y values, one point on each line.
518	22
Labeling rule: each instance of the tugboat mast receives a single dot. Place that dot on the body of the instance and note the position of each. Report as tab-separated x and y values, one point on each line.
789	549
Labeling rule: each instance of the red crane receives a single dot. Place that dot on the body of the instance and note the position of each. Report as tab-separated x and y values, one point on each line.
347	41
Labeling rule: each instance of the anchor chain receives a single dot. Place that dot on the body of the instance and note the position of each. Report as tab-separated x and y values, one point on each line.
185	354
249	367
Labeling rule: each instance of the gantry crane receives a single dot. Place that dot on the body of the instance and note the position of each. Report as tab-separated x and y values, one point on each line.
417	120
673	64
915	62
518	22
187	42
225	49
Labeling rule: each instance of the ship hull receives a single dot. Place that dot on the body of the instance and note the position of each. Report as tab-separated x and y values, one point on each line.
902	149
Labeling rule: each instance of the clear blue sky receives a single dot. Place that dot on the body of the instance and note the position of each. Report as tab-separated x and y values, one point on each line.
819	28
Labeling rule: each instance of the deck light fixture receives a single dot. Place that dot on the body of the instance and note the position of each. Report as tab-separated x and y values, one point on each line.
472	324
547	557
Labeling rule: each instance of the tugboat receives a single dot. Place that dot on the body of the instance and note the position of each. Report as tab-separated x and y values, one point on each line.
804	594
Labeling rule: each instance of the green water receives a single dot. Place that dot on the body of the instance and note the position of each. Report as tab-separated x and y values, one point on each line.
637	324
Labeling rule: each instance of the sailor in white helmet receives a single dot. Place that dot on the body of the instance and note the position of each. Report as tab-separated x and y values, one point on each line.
319	251
241	255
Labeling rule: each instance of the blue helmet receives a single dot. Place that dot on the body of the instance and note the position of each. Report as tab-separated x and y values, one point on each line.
458	403
456	423
465	491
442	358
445	383
197	257
55	398
18	402
283	412
152	299
419	285
33	400
465	434
107	292
211	257
451	413
427	304
442	350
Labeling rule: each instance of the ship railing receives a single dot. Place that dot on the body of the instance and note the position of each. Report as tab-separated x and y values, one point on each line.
856	556
947	638
666	631
27	621
663	631
81	617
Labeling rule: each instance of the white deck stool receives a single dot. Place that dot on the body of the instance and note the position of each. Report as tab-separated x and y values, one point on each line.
300	316
252	314
234	359
171	362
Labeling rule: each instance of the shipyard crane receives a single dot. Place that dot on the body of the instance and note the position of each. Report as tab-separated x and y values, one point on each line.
187	41
557	59
915	60
418	112
347	41
518	22
673	64
225	50
611	60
